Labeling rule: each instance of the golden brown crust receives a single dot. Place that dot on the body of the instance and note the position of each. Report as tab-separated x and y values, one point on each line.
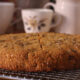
39	52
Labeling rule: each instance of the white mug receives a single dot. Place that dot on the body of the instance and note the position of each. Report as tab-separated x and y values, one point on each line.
38	20
6	14
70	10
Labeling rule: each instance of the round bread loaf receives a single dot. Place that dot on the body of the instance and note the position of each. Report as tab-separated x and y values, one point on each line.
39	52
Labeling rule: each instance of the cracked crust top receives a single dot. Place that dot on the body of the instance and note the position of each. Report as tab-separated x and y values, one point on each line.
39	52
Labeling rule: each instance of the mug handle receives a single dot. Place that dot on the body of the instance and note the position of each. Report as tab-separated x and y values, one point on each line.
57	17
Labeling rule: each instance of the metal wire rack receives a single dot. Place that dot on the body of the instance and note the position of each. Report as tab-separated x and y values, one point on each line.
55	75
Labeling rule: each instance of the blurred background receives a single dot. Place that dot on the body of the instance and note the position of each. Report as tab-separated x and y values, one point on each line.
17	25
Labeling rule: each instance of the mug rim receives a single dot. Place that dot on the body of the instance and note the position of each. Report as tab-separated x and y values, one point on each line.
39	10
7	4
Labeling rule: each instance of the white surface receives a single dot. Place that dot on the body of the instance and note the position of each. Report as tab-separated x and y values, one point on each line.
6	14
70	11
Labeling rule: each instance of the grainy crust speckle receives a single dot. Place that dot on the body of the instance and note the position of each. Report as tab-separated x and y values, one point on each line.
39	52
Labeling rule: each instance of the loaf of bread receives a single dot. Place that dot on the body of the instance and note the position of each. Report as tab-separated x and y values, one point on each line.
39	52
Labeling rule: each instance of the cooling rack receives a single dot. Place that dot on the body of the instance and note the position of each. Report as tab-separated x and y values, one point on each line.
55	75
